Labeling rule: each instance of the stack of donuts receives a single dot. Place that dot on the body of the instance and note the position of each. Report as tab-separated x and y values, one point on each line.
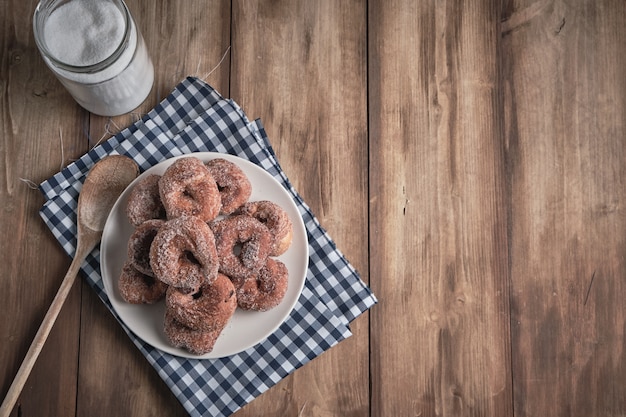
200	244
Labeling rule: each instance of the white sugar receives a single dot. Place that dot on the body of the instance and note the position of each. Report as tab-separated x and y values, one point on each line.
84	33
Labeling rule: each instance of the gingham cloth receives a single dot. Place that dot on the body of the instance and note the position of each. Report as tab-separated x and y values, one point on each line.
195	118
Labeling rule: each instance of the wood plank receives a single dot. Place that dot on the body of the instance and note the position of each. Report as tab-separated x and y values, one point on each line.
566	95
111	366
438	213
33	262
301	67
122	372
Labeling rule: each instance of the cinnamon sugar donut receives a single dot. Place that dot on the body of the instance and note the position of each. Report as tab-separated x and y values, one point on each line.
144	201
197	342
188	188
243	244
208	309
232	183
139	245
183	253
266	289
277	221
138	288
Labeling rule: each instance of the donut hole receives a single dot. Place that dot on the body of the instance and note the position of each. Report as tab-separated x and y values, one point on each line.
263	220
189	194
197	294
249	253
237	249
188	257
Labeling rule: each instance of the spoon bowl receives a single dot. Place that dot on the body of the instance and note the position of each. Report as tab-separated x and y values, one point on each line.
104	184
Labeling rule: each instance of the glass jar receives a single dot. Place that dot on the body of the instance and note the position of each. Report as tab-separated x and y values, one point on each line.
96	51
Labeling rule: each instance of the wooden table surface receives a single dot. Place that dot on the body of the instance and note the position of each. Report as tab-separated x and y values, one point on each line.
468	157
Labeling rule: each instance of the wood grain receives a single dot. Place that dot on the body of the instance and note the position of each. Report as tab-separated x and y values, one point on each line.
309	90
477	147
107	356
33	263
565	93
439	256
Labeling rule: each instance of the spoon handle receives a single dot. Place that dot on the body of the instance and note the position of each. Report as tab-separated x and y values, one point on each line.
44	330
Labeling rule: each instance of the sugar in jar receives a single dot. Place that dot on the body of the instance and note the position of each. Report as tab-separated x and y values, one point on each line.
96	51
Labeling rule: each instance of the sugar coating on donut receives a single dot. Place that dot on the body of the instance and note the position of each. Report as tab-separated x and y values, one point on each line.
144	201
139	245
197	342
277	221
187	188
243	245
138	288
233	184
210	308
183	253
204	267
266	289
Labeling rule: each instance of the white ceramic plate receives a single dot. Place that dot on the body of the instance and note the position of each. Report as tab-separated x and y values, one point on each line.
245	328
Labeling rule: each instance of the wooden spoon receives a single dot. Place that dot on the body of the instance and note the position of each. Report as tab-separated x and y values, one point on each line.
103	185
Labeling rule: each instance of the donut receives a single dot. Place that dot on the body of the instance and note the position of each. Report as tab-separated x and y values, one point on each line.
209	308
233	184
277	221
188	188
243	244
138	288
144	201
139	245
266	289
183	253
197	342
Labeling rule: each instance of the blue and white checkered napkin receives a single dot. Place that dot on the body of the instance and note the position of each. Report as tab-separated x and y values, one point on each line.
195	118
